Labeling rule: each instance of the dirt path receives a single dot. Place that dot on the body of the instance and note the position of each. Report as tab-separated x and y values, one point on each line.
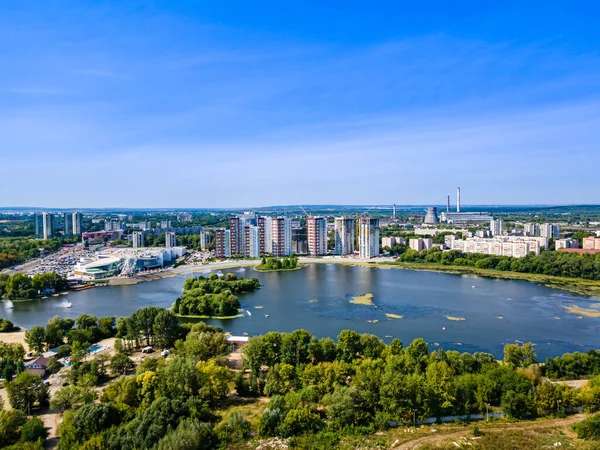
551	423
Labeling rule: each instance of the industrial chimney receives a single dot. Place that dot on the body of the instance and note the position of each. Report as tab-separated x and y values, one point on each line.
458	199
448	204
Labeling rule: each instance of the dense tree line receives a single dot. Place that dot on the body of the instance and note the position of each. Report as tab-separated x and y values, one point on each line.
21	286
278	263
571	265
16	250
572	366
213	296
319	389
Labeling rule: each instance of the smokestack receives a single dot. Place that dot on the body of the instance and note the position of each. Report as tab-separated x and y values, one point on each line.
448	204
457	199
394	210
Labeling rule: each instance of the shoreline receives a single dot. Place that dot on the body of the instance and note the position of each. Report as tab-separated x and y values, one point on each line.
577	286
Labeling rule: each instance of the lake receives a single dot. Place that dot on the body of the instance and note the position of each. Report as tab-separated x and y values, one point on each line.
317	298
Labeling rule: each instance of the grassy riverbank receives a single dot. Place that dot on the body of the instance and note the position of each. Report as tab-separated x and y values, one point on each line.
578	286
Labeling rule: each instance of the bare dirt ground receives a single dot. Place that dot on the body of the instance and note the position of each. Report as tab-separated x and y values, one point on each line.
552	423
15	337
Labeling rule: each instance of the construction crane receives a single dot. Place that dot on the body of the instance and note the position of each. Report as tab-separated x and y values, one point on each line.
305	212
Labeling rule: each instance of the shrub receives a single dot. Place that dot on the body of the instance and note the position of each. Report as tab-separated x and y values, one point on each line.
588	428
34	430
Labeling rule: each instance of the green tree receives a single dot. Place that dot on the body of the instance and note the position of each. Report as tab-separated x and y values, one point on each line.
588	428
53	365
236	428
517	355
35	338
349	345
27	390
190	434
120	363
72	397
10	423
34	431
11	360
166	328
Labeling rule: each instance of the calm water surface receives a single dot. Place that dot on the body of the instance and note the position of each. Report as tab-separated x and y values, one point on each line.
317	298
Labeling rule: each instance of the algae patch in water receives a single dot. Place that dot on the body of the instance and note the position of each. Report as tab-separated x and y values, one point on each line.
366	299
582	311
393	316
455	318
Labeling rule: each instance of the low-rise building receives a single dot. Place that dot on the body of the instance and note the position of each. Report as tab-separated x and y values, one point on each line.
37	366
591	243
517	247
419	244
566	243
391	241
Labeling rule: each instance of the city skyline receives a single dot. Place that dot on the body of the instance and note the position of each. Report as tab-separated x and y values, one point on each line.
215	106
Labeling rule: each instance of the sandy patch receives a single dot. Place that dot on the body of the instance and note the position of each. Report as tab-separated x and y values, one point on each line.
393	316
582	311
366	299
457	319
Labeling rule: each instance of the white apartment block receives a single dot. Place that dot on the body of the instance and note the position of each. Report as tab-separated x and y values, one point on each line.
368	238
344	236
391	241
566	243
137	239
48	225
253	241
316	230
268	235
549	230
532	229
497	227
170	239
77	216
419	244
204	239
515	246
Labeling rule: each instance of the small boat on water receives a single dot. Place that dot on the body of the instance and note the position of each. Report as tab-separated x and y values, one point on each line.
249	313
266	315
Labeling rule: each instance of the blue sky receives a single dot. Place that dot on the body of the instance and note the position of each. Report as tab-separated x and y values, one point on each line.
239	104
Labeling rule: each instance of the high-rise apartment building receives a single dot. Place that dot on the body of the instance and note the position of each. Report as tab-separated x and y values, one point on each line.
38	223
137	239
532	229
299	241
165	224
316	230
236	228
344	235
368	237
48	225
222	243
252	241
282	236
170	239
266	235
549	230
497	227
76	218
204	240
67	225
